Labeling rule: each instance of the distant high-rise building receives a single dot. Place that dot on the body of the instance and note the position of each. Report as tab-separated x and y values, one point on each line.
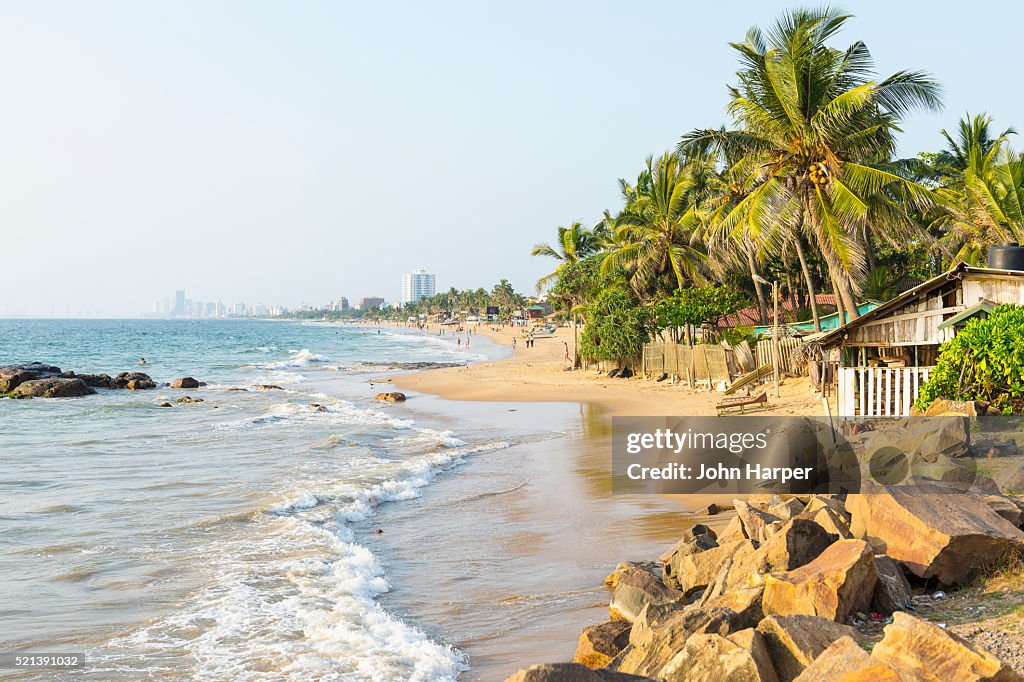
342	303
179	302
416	285
370	302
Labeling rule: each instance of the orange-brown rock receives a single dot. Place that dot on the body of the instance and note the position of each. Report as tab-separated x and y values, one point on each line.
837	583
636	587
570	672
741	656
599	644
934	532
391	397
795	641
920	650
845	661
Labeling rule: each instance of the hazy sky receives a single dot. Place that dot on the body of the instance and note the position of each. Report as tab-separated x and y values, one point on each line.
280	152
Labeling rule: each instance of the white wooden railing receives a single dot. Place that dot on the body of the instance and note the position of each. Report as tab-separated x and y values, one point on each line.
879	391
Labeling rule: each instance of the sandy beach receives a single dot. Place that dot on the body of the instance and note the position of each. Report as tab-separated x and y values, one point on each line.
541	374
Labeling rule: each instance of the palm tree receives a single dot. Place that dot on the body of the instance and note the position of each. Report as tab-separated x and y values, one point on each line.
575	243
656	235
821	130
983	185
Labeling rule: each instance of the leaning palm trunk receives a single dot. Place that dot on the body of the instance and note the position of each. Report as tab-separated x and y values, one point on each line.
811	294
762	304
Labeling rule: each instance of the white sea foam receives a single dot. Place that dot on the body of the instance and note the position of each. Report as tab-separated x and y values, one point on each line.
295	597
299	358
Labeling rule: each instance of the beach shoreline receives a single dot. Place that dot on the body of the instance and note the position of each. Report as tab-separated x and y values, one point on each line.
541	374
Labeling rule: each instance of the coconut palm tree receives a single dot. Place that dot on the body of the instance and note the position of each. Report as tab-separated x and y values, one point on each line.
575	243
656	237
821	128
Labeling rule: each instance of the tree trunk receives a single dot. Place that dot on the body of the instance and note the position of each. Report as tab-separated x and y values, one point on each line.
811	294
762	304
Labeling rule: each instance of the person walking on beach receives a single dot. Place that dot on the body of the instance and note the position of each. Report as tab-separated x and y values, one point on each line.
566	344
513	343
460	343
467	342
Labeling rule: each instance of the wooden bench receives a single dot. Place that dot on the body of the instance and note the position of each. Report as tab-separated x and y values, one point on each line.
743	404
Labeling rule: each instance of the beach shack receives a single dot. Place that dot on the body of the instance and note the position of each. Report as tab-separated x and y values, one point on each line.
885	355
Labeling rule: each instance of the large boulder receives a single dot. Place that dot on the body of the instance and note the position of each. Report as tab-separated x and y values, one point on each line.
795	641
391	397
920	650
942	407
185	382
745	603
653	646
694	572
599	644
11	378
934	532
571	672
739	657
836	584
754	520
797	542
673	564
892	591
845	661
52	387
636	587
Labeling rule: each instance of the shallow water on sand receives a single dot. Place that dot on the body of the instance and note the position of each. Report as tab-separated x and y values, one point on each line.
235	538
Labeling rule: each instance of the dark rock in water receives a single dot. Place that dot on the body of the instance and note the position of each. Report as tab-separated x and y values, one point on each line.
267	387
164	405
185	382
318	407
14	375
134	381
10	379
52	387
96	380
243	390
189	399
393	397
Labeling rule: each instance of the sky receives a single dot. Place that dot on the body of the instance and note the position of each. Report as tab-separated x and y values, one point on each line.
290	152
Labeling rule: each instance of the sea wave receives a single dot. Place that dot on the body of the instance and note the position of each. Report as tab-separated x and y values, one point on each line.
296	597
298	358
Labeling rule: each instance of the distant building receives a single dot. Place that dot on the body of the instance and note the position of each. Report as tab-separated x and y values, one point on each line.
416	285
342	303
370	303
179	302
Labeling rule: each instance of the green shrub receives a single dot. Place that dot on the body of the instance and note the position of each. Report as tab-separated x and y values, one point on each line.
984	361
617	326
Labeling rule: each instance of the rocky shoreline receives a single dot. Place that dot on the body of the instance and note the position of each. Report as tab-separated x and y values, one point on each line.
884	584
39	380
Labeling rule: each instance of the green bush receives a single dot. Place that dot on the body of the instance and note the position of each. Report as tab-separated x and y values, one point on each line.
984	361
617	327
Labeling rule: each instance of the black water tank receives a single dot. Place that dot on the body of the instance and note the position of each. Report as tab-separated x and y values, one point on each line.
1009	256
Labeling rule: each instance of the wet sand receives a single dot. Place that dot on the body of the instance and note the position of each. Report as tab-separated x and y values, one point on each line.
506	557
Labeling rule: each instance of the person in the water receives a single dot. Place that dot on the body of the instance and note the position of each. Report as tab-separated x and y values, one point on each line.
142	361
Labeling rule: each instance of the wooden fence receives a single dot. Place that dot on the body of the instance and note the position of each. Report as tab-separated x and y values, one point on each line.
879	391
710	364
789	362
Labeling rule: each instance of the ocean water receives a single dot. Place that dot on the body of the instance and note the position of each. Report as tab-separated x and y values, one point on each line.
221	540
